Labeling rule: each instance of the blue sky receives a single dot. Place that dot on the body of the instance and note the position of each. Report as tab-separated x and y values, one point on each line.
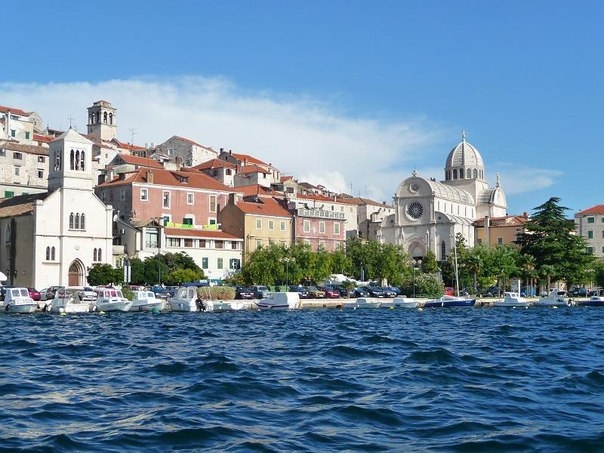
350	94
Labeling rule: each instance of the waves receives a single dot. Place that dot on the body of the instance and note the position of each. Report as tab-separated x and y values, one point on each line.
370	380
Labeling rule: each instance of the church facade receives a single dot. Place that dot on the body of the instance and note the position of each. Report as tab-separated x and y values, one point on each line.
53	238
429	213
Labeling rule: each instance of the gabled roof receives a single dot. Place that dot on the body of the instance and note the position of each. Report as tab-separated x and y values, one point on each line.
248	159
128	145
214	163
265	207
256	189
14	110
194	180
594	210
358	201
20	205
252	169
44	138
29	149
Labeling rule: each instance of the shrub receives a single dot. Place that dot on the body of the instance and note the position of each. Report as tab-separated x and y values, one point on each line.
216	293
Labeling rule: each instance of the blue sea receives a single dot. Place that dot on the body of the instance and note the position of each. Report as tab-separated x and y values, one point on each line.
466	379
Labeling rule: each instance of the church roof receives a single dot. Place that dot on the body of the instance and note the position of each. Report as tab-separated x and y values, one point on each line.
447	192
464	155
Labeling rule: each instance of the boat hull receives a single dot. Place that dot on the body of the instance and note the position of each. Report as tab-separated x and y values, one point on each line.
449	303
21	308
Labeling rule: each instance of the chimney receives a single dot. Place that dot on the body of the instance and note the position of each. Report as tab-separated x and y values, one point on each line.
233	198
149	177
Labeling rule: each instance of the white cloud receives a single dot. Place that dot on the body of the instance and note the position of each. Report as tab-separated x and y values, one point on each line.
310	139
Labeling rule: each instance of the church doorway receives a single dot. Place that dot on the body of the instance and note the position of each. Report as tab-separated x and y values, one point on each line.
76	274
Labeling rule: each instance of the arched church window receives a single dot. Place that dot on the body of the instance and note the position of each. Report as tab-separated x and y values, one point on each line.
71	220
48	253
100	255
82	160
105	117
469	173
111	118
7	234
58	160
72	160
475	173
455	173
77	160
77	222
82	222
448	175
52	253
461	173
443	251
94	255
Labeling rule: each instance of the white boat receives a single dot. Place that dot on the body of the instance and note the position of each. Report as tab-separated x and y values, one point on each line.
596	299
69	300
143	300
111	299
405	302
17	300
555	298
511	299
279	301
369	302
186	299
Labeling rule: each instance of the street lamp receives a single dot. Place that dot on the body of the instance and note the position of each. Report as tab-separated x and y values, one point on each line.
287	260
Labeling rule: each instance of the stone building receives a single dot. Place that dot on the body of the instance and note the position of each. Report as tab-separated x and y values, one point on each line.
52	238
430	213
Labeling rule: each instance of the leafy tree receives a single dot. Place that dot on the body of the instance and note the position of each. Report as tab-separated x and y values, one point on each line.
104	274
550	239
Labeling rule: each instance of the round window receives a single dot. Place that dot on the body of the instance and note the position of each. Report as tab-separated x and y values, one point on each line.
414	187
415	210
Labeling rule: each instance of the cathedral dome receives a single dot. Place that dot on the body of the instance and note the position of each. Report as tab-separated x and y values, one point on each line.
464	162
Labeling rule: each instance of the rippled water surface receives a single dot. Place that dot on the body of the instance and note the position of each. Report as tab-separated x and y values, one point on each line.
312	380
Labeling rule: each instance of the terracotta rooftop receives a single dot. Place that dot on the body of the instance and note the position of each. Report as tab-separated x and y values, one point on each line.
19	205
196	180
29	149
266	207
14	110
214	163
136	160
594	210
506	221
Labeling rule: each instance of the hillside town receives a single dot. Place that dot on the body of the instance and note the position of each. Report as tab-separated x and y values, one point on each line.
72	199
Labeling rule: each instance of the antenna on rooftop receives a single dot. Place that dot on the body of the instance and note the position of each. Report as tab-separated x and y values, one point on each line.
132	139
70	120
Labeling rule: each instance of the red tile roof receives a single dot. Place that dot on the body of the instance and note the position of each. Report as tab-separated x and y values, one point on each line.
594	210
214	163
505	221
16	111
247	158
255	189
252	169
267	207
195	180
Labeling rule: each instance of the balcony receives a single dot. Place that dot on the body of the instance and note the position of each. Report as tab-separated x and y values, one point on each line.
320	214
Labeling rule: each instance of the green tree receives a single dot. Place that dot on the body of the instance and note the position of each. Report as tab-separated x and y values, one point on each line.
104	274
550	238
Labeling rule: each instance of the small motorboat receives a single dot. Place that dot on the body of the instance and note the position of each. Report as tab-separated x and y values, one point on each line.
511	299
69	300
448	301
143	300
186	299
555	298
17	300
596	299
111	299
279	301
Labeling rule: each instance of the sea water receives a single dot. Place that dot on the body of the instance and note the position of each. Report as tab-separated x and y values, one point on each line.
466	379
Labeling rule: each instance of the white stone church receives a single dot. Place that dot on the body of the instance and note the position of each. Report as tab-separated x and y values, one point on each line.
429	213
53	238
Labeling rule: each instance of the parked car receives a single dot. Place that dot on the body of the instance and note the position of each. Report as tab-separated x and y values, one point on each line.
360	291
34	294
389	291
302	292
49	292
343	291
85	293
330	291
314	292
243	292
376	291
260	291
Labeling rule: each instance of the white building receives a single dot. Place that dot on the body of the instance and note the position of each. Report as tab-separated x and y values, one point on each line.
52	238
430	213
